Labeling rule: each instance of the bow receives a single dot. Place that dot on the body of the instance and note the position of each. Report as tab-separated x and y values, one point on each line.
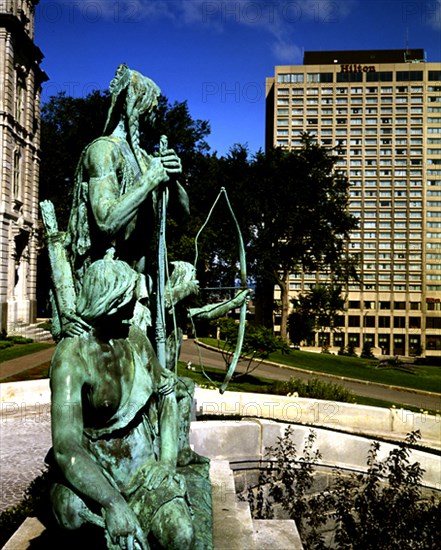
243	279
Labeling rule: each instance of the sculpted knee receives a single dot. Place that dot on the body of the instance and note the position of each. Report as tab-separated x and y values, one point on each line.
67	507
173	526
184	536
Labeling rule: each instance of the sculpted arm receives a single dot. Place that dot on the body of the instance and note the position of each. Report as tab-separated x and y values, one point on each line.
213	311
111	209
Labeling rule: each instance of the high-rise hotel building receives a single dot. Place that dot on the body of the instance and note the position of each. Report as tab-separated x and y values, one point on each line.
383	109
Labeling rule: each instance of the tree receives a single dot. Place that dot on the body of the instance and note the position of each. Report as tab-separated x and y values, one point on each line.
300	220
317	309
68	124
259	342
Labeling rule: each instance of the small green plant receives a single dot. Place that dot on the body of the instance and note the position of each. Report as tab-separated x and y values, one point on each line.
286	482
366	352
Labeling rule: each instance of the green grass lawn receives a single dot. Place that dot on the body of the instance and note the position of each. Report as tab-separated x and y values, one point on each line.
19	350
422	377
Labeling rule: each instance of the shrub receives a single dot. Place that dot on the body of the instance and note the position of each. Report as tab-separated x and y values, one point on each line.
313	388
382	508
20	340
5	344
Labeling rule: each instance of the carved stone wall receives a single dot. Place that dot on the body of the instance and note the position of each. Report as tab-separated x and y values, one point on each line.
20	87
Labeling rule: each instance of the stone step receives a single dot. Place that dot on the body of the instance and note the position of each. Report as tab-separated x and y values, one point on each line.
30	331
232	524
277	534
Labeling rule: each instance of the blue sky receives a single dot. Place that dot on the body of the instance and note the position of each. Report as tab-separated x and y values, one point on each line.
216	54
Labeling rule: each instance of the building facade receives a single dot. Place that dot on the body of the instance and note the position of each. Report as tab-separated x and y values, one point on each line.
20	87
382	109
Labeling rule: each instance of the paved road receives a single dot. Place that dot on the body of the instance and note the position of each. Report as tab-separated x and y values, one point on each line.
214	359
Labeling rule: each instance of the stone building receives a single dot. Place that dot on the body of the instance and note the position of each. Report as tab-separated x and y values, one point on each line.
20	87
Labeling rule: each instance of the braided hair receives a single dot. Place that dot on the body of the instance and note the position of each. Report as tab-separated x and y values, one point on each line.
132	95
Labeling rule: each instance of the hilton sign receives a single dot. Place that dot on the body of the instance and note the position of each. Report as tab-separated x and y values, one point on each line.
357	68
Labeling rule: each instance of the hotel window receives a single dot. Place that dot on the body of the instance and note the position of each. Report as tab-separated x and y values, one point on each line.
399	322
379	76
409	76
383	322
349	77
319	77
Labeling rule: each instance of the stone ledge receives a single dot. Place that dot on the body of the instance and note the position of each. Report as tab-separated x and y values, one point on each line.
28	531
277	534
